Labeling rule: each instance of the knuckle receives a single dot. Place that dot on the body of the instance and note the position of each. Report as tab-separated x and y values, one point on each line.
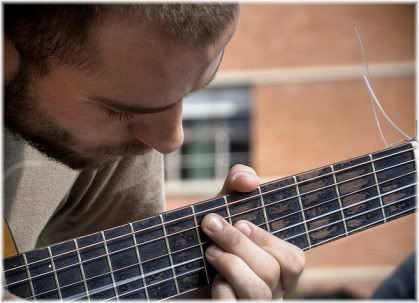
230	264
263	292
297	262
272	278
235	240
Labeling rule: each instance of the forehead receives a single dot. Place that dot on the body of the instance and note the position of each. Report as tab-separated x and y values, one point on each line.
133	56
135	59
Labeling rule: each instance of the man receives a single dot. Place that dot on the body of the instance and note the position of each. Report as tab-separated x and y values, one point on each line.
93	95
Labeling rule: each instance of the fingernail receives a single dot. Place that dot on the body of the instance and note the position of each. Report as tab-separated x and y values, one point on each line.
244	228
213	252
243	174
214	224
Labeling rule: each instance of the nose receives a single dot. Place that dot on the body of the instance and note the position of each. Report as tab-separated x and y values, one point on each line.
161	131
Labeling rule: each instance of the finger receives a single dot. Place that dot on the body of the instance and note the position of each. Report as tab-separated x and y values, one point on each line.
232	241
221	290
291	259
241	178
244	281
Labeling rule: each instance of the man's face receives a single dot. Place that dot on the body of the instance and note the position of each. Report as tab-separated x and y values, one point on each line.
131	104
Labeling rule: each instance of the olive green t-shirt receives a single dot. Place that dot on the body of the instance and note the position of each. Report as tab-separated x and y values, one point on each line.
46	202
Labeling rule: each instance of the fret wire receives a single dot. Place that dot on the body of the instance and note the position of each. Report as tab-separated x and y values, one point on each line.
157	271
105	246
302	210
200	244
378	187
227	208
339	200
83	275
55	272
264	209
29	279
271	191
139	260
279	201
182	293
323	242
341	220
169	253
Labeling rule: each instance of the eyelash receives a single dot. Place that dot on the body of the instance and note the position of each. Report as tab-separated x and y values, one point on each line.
118	115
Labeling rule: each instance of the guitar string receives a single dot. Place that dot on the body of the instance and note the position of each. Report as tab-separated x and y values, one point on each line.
129	280
281	230
223	206
220	207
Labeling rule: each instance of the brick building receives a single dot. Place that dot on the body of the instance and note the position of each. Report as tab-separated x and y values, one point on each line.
290	97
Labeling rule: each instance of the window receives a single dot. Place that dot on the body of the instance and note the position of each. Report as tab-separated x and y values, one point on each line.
216	125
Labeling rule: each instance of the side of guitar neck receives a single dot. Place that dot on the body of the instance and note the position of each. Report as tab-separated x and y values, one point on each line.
163	256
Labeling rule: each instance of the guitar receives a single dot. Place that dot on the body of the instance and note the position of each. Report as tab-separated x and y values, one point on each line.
162	257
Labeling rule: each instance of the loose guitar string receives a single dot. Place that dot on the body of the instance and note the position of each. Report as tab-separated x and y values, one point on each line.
281	230
241	200
374	98
132	279
382	110
364	57
178	251
223	206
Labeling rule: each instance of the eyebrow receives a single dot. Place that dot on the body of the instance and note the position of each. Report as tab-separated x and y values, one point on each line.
135	109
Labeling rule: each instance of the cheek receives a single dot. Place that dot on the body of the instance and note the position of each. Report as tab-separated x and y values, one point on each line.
82	120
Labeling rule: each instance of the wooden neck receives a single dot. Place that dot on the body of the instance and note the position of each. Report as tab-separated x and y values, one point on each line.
163	256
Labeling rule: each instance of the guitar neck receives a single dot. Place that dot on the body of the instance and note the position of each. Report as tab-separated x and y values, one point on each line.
163	256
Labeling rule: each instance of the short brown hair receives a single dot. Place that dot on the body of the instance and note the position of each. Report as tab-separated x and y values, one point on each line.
58	33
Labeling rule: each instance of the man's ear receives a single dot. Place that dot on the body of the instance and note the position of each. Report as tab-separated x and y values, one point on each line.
11	59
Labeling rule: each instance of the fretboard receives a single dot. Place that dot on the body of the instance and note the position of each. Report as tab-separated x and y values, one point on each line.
163	256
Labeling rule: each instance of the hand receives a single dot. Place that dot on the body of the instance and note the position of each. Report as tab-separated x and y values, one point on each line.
252	263
8	296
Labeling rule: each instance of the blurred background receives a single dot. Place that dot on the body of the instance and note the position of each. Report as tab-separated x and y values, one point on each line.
290	97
